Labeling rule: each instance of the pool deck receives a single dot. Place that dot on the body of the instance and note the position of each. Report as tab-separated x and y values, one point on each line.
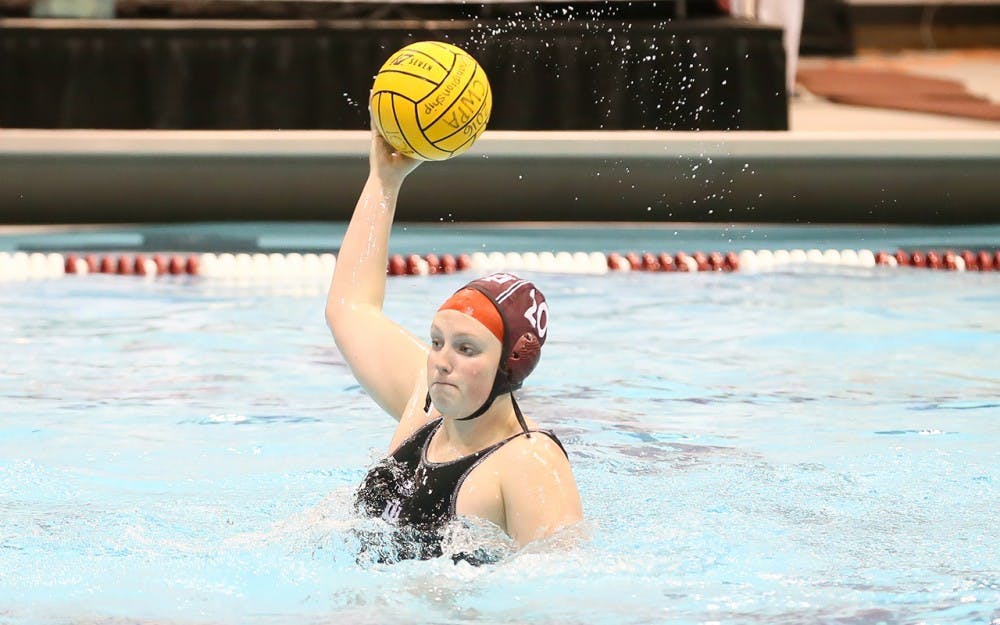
976	69
836	164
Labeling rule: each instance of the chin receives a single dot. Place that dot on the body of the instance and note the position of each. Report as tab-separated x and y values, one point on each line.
451	403
451	410
444	404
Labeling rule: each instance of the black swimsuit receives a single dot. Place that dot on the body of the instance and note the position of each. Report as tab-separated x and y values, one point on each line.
418	496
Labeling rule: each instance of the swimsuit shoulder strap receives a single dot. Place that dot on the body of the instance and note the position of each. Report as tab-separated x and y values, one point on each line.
415	442
554	438
548	433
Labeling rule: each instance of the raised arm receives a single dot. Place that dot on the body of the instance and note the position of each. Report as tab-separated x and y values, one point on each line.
385	358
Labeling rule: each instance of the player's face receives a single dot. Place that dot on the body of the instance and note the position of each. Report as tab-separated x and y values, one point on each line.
462	363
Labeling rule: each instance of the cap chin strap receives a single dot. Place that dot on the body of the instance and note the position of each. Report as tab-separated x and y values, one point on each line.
500	386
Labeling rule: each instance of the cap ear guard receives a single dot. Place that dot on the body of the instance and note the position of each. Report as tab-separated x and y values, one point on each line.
523	357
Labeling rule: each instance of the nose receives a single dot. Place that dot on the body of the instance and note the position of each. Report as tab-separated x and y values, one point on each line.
440	361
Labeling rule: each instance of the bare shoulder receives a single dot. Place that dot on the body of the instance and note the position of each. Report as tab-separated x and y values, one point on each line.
533	452
539	491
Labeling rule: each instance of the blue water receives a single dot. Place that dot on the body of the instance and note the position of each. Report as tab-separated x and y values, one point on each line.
810	446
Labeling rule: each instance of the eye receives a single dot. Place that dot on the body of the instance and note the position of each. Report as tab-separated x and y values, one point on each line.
436	342
467	349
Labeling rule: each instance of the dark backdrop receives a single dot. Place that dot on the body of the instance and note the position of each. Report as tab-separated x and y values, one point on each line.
547	73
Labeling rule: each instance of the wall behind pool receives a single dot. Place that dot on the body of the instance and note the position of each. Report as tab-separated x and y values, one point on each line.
91	176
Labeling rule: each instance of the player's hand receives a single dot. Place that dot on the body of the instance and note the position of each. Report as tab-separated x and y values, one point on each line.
387	163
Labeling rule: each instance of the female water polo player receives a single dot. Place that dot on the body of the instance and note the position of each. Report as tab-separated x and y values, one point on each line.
462	448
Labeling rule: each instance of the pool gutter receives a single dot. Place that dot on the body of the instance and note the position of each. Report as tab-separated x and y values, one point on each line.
89	176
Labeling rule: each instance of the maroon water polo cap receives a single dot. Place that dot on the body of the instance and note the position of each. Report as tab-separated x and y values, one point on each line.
525	317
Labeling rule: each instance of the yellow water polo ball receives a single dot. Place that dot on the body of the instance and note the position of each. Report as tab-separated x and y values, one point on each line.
431	100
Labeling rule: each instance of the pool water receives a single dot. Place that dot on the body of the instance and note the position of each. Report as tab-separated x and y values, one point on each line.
799	446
